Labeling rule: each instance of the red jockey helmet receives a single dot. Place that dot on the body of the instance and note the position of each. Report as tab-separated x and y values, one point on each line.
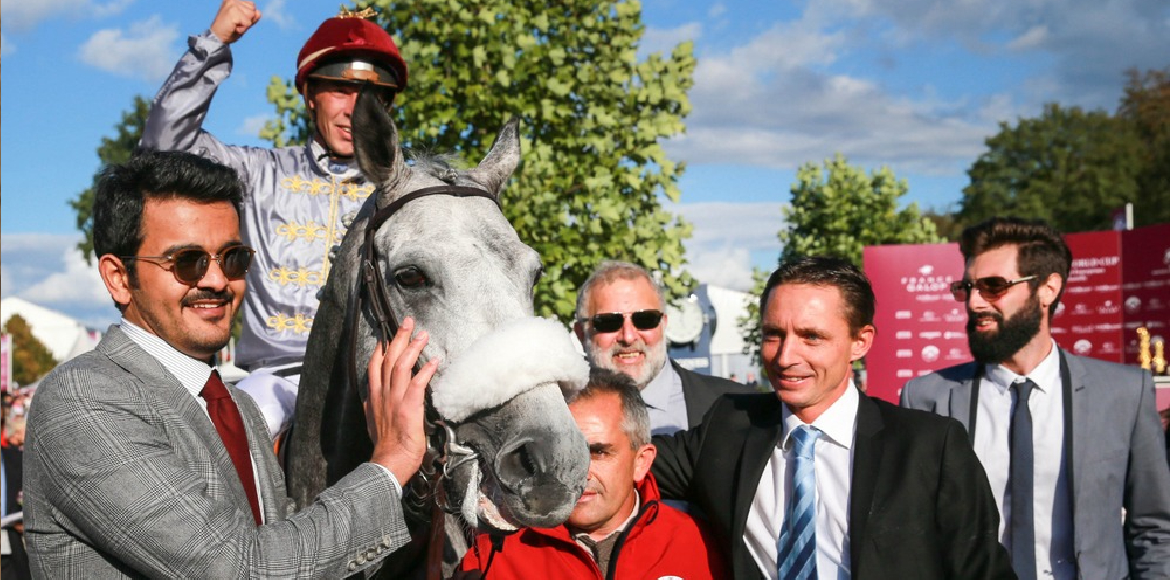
350	48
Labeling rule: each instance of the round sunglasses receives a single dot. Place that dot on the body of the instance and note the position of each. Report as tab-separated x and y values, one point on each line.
190	265
613	321
990	288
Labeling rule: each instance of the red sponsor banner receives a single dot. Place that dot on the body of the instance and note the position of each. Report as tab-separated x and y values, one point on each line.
1146	286
1088	318
1119	281
920	326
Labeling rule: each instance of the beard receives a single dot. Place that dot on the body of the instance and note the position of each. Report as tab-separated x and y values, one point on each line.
1014	333
655	359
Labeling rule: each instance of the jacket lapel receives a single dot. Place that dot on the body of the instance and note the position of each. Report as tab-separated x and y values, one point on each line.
1082	410
126	353
761	440
960	404
867	459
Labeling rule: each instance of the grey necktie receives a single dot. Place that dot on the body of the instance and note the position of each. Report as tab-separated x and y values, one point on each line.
1023	544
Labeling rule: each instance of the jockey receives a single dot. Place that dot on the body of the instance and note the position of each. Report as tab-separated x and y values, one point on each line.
296	197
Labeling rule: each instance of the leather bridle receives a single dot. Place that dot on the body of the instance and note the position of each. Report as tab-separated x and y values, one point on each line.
371	288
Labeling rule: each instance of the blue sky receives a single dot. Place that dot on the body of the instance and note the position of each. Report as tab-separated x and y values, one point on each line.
913	84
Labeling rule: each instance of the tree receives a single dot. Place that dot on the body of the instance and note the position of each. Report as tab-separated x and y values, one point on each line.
592	112
836	210
1068	167
1146	104
31	360
116	149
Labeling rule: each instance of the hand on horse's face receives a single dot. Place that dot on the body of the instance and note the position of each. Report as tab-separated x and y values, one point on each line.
394	410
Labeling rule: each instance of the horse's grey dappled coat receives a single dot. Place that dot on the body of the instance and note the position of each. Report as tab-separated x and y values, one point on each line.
456	266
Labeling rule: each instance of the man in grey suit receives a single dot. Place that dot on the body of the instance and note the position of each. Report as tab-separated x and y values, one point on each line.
1078	470
140	462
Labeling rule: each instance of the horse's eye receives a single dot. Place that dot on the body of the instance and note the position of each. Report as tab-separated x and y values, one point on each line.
410	277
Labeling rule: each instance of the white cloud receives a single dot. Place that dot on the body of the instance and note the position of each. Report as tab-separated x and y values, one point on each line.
6	48
141	51
717	9
25	14
276	11
664	40
252	125
725	236
1091	42
48	270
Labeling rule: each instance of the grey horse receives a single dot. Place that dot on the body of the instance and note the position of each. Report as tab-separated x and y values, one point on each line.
514	456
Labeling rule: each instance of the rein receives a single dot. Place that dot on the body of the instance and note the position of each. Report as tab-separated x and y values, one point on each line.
446	454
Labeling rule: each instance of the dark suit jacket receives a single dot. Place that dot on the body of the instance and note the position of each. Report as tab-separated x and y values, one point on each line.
14	565
920	506
1118	463
701	391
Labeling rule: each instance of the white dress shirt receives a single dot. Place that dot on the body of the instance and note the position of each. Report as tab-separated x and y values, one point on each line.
1050	501
191	373
834	469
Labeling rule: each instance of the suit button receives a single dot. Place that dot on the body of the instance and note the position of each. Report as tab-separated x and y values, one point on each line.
352	566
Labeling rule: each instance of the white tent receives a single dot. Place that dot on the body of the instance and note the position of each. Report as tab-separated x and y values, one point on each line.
63	336
727	344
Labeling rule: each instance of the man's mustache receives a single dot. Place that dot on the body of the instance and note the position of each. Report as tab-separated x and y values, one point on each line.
208	295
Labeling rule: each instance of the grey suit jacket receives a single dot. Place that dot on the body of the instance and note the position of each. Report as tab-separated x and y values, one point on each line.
125	476
1118	462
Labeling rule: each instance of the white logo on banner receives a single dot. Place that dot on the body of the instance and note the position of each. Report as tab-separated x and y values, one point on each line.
1082	346
930	353
1133	304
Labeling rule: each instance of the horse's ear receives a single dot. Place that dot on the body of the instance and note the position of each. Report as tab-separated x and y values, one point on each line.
375	140
501	161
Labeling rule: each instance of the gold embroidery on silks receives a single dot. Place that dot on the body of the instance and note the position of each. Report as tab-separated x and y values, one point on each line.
309	231
298	323
301	276
331	233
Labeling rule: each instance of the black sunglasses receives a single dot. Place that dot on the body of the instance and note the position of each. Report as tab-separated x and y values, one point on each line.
190	265
990	288
613	321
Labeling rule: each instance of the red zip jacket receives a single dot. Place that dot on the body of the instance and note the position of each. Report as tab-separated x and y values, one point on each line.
662	542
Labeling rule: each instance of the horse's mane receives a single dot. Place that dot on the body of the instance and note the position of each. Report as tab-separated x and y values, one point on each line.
446	167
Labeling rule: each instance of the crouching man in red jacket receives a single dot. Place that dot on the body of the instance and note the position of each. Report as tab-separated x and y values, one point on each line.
619	529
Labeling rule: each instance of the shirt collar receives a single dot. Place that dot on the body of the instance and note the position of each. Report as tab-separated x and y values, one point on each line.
1046	375
191	373
838	422
341	169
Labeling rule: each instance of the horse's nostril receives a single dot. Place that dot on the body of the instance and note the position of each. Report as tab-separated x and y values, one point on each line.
519	463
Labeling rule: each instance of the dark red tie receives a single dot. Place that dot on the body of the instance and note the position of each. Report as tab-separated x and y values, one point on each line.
226	418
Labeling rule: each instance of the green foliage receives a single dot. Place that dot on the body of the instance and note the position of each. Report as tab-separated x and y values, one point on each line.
1146	104
1068	167
836	210
593	116
31	359
116	149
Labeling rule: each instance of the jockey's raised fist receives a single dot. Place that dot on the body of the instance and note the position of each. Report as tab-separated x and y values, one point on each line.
234	18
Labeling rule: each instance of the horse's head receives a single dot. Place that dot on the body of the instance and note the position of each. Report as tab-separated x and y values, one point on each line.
445	255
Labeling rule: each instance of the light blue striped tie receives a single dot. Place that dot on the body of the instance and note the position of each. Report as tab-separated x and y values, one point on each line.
797	548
